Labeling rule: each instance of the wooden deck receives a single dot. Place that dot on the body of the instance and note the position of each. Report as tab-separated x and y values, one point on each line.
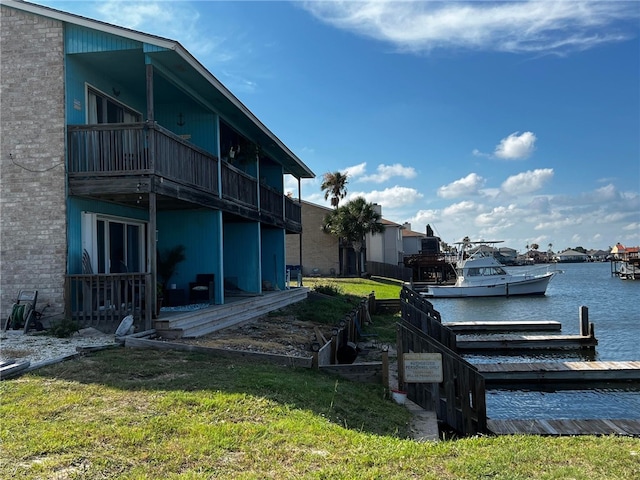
565	427
534	372
518	343
506	326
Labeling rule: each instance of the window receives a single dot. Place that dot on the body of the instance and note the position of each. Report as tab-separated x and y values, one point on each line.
115	245
104	109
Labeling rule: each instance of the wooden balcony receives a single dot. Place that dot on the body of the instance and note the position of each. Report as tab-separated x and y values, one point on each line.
121	162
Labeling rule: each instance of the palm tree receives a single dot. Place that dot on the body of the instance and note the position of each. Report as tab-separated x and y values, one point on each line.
352	222
334	185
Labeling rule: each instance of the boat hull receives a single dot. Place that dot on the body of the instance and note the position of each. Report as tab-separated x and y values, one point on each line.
515	286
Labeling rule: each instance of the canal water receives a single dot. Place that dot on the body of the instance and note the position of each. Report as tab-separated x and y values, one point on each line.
614	308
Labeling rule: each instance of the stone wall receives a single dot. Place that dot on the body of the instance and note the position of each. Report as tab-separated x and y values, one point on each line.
32	159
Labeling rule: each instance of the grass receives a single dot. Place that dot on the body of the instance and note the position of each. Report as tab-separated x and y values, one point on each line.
146	414
384	288
138	414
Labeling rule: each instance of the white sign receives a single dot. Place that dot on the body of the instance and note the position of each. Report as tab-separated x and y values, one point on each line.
422	367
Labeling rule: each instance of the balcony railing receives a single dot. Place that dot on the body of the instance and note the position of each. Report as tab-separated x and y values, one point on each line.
117	150
238	186
108	149
102	300
271	201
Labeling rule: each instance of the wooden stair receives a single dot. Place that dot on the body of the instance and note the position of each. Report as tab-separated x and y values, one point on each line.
217	317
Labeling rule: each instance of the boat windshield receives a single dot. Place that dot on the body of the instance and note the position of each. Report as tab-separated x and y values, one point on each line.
485	271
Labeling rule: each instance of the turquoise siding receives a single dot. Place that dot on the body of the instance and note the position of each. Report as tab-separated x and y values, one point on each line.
273	175
84	40
242	268
273	256
75	207
199	232
200	126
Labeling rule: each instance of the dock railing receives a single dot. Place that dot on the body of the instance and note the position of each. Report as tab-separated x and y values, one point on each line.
459	400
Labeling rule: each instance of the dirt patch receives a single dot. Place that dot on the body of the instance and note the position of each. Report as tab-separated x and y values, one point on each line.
281	335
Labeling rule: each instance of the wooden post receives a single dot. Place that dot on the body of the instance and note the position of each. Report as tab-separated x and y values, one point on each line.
584	321
400	350
385	369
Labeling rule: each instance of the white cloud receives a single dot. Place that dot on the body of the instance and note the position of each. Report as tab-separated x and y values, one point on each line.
527	182
460	208
423	217
174	20
468	185
516	147
393	197
526	26
386	172
355	171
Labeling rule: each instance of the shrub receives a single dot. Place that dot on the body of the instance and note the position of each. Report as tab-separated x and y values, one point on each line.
64	328
329	288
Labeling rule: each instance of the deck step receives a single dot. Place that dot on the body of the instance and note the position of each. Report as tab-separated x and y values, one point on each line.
205	321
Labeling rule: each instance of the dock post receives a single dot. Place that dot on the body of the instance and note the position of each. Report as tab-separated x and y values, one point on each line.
584	321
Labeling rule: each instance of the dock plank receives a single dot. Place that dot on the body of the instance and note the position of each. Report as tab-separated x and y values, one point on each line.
523	342
560	371
504	326
559	427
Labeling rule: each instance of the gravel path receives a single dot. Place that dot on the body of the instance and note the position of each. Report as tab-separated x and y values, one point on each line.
37	348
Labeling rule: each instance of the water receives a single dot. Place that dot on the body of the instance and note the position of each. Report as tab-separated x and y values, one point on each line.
614	308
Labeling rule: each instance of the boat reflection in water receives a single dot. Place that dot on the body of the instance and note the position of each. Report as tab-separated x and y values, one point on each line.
479	274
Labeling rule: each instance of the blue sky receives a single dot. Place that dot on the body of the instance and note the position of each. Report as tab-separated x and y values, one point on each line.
515	121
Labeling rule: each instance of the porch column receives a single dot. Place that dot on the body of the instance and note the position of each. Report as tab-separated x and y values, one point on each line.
300	235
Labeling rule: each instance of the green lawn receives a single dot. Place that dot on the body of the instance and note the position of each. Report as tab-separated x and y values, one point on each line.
384	288
134	414
147	414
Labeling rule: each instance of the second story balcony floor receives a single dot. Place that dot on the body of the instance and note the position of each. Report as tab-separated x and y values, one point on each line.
122	162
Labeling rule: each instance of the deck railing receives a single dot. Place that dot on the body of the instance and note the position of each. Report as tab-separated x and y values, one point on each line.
292	210
115	150
108	149
271	201
103	300
238	186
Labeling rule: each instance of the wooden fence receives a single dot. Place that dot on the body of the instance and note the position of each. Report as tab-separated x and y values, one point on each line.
419	312
388	270
459	400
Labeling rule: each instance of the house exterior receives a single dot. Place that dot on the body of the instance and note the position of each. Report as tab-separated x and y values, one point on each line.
620	252
571	256
320	250
385	247
117	145
325	255
411	241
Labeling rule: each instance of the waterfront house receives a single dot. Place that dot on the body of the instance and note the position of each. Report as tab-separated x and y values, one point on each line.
117	145
571	256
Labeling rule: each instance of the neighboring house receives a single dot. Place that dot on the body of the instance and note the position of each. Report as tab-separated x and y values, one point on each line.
620	252
598	255
411	241
320	250
571	256
385	247
507	256
323	254
116	144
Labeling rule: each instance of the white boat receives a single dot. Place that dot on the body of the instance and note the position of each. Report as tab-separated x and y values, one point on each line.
629	271
481	275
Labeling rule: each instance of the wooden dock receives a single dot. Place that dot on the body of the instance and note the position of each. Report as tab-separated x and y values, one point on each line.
504	326
565	427
568	372
518	343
